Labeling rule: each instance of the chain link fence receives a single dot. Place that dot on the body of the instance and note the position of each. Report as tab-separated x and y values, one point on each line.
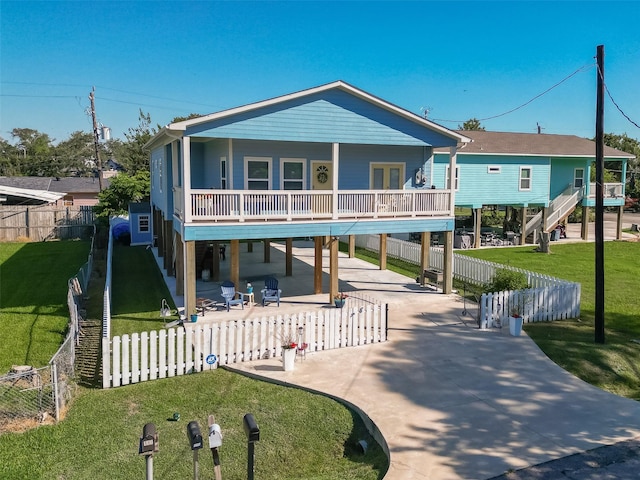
33	396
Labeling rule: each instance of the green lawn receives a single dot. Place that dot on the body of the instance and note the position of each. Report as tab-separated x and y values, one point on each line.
614	366
33	299
302	435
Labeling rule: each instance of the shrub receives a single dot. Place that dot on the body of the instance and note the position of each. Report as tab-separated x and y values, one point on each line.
505	279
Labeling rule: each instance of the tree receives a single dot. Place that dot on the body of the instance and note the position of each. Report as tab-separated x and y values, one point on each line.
629	145
76	154
123	189
36	148
189	117
471	124
131	154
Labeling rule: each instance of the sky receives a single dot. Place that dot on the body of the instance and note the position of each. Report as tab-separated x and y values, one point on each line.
448	60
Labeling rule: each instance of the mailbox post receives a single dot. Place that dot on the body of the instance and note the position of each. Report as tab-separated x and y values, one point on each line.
215	441
195	441
148	446
253	435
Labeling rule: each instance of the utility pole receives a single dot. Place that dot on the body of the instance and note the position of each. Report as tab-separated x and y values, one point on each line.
95	136
599	317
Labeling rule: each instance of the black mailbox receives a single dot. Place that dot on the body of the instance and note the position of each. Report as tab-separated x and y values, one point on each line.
194	435
251	428
148	440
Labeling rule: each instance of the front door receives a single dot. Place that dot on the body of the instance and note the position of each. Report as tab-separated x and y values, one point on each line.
386	176
321	175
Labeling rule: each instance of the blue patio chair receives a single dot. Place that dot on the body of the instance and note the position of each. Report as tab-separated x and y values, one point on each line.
229	295
270	292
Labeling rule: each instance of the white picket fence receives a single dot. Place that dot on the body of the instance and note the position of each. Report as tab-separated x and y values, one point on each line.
179	351
549	298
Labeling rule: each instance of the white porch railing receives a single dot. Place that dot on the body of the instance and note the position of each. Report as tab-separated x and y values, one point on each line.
242	205
611	190
173	352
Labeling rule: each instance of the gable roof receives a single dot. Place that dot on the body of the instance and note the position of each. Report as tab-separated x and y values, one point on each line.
543	144
322	118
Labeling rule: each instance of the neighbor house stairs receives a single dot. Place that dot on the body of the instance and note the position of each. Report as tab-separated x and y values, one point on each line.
559	209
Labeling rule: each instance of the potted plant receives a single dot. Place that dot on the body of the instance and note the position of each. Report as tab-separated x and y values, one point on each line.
194	315
339	299
289	346
515	321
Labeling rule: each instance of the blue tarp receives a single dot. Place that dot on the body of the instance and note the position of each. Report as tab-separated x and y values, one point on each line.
120	230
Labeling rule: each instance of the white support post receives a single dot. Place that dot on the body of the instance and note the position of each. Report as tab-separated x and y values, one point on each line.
186	178
453	155
335	160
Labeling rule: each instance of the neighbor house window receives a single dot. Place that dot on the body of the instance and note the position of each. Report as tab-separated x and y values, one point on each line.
494	168
258	175
578	178
292	173
67	200
448	177
525	178
143	223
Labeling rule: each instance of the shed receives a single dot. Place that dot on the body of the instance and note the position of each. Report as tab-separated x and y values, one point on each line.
140	223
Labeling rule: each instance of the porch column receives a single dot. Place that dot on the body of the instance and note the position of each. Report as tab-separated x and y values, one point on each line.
447	283
267	251
584	230
545	216
452	181
477	223
317	267
179	265
333	268
619	224
523	226
289	257
215	262
352	246
383	251
186	178
335	159
189	277
167	227
249	246
234	269
425	250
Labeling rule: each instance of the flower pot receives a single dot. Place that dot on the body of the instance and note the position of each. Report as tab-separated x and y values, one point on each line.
288	358
515	326
194	317
339	303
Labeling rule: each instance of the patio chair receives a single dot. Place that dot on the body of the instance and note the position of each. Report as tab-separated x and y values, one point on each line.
270	292
229	295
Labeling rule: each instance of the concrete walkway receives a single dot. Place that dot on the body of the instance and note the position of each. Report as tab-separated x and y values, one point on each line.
451	401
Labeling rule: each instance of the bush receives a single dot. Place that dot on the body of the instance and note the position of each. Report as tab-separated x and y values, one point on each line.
505	279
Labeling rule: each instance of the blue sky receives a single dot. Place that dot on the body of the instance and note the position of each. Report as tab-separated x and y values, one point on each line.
456	59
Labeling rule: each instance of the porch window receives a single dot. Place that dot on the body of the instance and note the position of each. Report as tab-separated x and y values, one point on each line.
258	173
143	223
525	178
223	173
578	178
292	174
456	181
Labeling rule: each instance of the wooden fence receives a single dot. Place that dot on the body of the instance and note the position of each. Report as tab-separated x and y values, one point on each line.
43	222
189	349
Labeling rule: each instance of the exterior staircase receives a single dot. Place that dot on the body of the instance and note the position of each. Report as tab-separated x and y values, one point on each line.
88	359
559	209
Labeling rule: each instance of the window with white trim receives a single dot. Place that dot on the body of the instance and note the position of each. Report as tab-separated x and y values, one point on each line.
494	168
67	200
447	178
223	173
258	173
578	178
143	223
292	173
525	178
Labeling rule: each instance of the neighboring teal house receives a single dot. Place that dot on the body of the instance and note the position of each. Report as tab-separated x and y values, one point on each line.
329	161
545	177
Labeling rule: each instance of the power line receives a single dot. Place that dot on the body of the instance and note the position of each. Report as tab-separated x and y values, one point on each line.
584	67
613	101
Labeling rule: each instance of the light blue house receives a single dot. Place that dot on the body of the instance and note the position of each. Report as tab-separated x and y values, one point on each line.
545	177
329	161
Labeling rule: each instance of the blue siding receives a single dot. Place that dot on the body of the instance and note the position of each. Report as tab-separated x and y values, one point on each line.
562	173
477	187
159	179
328	117
287	230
